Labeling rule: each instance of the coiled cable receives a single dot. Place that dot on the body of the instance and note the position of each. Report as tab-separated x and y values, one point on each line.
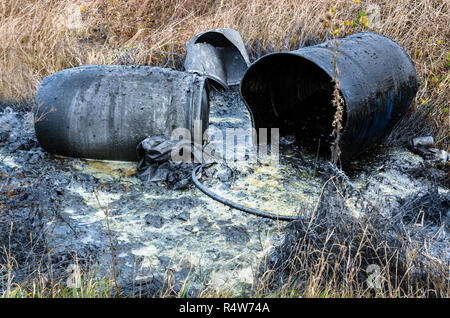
235	205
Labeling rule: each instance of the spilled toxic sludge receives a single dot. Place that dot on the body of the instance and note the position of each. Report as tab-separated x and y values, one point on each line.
159	234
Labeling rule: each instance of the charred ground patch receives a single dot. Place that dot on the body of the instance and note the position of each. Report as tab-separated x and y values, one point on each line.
163	238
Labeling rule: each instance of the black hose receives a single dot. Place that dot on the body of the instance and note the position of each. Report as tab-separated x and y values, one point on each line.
234	205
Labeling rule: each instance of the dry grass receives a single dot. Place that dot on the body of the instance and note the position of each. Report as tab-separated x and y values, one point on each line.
337	255
40	37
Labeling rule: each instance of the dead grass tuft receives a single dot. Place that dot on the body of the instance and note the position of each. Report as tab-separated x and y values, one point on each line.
338	255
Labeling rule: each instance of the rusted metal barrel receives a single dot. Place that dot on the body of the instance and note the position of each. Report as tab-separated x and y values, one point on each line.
218	54
294	90
105	111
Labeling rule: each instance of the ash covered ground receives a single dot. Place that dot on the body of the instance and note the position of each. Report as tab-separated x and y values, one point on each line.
52	209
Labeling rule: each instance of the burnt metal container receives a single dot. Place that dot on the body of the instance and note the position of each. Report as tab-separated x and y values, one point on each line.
218	54
294	91
105	111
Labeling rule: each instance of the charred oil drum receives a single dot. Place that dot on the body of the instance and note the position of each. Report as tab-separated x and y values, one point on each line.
218	54
294	91
105	111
